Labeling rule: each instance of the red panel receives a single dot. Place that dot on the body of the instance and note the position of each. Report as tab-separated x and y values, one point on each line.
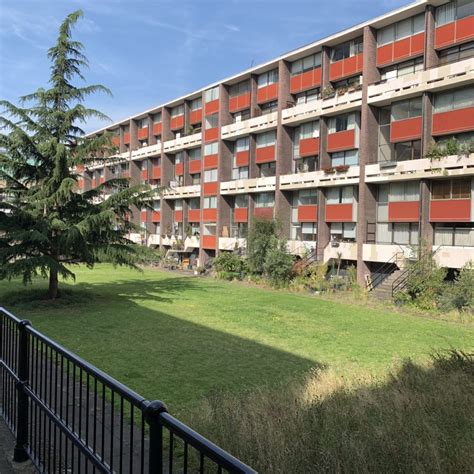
267	93
241	214
143	216
142	133
157	128
450	210
209	215
126	138
155	216
239	102
417	44
306	80
80	183
265	154
178	216
403	130
208	241
115	140
156	172
179	169
144	175
338	212
309	147
308	213
194	215
461	120
210	189
401	49
211	134
384	54
195	166
263	212
177	122
211	107
465	29
406	211
242	158
211	161
346	67
341	141
445	35
195	116
101	180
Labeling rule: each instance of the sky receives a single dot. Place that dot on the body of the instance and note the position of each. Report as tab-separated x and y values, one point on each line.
150	51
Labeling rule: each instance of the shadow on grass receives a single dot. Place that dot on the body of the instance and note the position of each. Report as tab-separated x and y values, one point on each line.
159	355
419	420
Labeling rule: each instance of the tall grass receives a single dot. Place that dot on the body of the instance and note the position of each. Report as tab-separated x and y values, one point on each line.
418	419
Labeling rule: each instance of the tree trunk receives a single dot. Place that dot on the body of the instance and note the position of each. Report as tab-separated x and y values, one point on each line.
53	284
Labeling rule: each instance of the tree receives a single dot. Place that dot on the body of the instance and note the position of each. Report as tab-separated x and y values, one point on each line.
278	264
261	236
46	224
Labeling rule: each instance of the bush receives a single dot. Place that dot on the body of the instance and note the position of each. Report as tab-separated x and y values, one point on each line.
278	265
229	266
261	237
459	295
149	255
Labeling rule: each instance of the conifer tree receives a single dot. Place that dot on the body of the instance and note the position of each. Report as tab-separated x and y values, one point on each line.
46	224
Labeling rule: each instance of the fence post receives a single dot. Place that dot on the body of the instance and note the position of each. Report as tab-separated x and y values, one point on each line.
19	453
152	416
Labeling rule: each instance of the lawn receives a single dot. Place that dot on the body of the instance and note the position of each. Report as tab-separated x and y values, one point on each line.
179	338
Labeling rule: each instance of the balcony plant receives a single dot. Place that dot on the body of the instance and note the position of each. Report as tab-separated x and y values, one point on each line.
328	92
342	168
329	170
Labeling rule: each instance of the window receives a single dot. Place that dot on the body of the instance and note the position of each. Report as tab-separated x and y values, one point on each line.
177	111
239	89
404	191
241	201
210	202
407	109
194	154
211	94
456	53
306	64
345	158
454	99
265	200
210	176
403	233
179	158
451	189
209	229
267	78
346	84
194	204
269	107
196	178
340	195
306	165
157	117
144	165
211	121
242	115
266	139
196	104
342	123
346	50
404	151
402	29
343	231
178	205
453	11
306	197
267	169
241	172
402	69
307	231
308	96
309	130
143	123
156	205
460	235
210	149
242	144
143	143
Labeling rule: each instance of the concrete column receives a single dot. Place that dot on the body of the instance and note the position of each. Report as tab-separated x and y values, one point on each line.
122	146
323	226
151	138
427	112
253	168
133	135
254	107
426	228
326	62
431	56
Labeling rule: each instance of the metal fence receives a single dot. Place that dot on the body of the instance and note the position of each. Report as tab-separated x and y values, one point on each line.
69	416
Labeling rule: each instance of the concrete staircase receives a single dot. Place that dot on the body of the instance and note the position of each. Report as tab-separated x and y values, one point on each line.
384	290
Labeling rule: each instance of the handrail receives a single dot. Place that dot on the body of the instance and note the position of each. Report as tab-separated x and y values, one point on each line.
381	275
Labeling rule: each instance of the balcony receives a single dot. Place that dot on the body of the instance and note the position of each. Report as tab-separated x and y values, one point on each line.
177	123
195	116
231	243
345	140
401	50
454	121
253	125
454	32
154	239
191	243
188	141
182	192
384	252
267	93
448	76
145	152
453	257
344	250
319	179
170	240
244	186
300	247
418	169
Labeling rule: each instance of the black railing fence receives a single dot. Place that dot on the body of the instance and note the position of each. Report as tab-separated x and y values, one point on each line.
69	416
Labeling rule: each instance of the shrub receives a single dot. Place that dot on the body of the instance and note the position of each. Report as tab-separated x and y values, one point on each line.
150	256
278	265
229	266
459	295
261	236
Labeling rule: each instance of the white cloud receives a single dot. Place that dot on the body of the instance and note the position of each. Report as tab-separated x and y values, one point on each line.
232	28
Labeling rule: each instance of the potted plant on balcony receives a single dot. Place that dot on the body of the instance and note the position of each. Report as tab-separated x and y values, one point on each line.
329	170
342	90
328	92
342	168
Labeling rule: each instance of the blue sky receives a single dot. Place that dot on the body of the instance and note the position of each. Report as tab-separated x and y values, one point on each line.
148	52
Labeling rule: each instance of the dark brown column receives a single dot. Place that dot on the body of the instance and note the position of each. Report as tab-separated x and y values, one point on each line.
133	135
431	57
427	139
323	227
254	107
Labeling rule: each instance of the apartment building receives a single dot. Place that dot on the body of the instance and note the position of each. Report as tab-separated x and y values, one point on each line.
331	139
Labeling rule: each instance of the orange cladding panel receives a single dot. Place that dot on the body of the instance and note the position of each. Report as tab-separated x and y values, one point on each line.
195	116
194	215
210	189
208	241
143	216
401	49
461	120
267	93
211	161
338	212
126	138
209	215
156	172
195	166
241	214
403	130
157	128
179	169
308	213
309	147
242	158
445	35
263	212
155	216
404	211
144	175
177	122
211	107
178	216
450	210
339	141
211	134
265	154
142	133
239	102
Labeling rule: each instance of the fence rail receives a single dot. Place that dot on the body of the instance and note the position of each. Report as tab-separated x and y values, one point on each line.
69	416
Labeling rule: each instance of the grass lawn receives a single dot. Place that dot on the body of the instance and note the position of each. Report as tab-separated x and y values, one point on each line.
178	338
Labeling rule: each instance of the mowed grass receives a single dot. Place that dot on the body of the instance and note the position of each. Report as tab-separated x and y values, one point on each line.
179	338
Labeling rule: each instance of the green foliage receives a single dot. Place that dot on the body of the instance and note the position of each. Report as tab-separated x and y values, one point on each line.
313	278
278	264
46	225
459	295
229	266
450	147
150	256
261	236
